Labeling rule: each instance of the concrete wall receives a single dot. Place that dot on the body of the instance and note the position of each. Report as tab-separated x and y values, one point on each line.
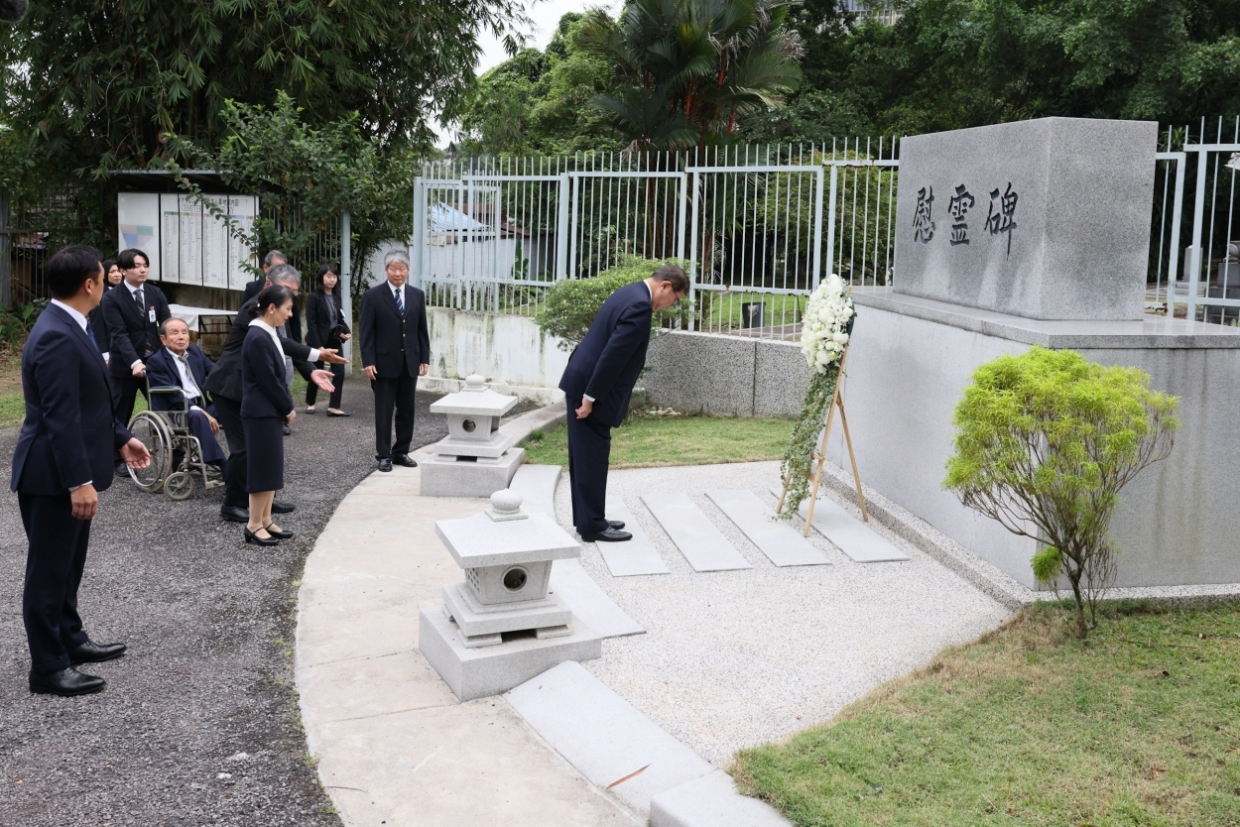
503	349
725	375
1179	520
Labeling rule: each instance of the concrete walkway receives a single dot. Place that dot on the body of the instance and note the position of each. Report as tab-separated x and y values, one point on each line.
730	659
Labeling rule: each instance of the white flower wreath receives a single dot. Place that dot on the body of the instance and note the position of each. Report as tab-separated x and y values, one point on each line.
824	330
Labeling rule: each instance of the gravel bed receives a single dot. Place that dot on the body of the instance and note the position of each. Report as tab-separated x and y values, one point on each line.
738	658
199	723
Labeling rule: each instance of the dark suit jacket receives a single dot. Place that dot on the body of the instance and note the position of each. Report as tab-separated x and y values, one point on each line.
319	321
388	341
606	364
98	324
262	370
69	434
161	370
130	330
293	327
225	380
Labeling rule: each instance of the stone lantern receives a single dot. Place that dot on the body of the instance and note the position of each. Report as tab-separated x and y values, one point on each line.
503	625
476	458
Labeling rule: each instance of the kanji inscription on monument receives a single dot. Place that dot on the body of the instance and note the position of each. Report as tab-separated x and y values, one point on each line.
1047	218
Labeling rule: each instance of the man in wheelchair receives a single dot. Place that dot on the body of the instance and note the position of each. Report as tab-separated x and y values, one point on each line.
182	365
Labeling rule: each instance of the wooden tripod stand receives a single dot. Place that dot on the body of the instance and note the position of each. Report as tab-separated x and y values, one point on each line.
837	401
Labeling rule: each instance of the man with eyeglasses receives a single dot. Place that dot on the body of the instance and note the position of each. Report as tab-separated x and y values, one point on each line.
597	385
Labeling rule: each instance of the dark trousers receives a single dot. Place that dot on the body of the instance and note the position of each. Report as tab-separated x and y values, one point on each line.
395	394
589	452
125	390
54	566
212	453
228	412
312	390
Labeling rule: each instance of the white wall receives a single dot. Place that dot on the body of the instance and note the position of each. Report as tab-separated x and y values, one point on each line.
503	349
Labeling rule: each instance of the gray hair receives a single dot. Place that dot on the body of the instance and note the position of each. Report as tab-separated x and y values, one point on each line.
269	260
285	273
163	326
394	256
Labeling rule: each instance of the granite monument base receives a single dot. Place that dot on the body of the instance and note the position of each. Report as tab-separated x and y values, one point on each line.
480	672
446	476
911	358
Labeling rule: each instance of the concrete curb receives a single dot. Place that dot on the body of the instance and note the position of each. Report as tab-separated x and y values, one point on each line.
546	418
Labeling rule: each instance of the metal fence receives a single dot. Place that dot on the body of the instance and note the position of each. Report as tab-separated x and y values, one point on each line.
757	227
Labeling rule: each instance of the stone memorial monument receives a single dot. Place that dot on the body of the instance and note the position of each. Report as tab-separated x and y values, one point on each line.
502	625
1038	233
1048	219
476	458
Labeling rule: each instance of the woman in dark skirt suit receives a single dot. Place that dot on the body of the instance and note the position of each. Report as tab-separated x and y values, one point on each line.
326	327
266	407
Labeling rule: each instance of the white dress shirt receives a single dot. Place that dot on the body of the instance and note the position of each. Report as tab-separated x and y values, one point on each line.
133	297
650	290
188	385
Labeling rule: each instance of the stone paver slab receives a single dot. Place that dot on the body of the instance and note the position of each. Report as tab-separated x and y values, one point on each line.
712	801
632	557
853	537
694	534
781	543
589	603
536	484
612	744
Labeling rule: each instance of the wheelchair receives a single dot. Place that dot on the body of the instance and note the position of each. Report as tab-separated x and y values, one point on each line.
176	454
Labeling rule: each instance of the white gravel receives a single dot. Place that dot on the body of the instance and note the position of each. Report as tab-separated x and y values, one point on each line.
735	659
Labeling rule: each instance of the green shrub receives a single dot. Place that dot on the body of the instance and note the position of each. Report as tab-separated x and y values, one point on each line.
1044	443
16	323
572	304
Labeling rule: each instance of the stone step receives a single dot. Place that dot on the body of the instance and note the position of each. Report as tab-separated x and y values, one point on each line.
589	603
781	543
703	545
616	747
712	801
850	535
536	484
632	557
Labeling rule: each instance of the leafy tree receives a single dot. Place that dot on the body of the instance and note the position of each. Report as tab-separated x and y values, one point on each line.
538	102
94	86
1045	441
689	72
305	177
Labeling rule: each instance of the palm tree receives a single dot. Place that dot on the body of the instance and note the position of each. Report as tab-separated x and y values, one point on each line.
687	71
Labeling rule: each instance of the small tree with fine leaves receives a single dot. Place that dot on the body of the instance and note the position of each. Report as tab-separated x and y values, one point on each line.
1045	441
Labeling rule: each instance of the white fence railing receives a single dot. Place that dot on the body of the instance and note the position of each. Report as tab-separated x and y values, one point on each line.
758	226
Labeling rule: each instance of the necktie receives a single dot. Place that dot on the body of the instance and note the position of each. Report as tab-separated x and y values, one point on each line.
191	386
91	333
137	297
400	302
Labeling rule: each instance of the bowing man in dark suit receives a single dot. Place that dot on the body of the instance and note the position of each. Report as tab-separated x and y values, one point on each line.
396	350
132	313
178	364
225	386
597	384
63	458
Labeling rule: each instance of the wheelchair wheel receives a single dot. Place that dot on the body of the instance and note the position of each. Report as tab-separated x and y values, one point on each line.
179	486
152	431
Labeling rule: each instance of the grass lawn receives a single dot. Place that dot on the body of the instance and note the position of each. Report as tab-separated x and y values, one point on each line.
1138	725
647	441
725	308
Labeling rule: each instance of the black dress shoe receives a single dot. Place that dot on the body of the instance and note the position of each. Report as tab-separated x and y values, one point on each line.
251	537
611	535
288	431
90	652
235	514
282	534
282	508
66	682
385	464
616	524
405	460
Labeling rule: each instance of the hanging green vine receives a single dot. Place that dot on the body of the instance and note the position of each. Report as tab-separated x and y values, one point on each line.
825	333
798	465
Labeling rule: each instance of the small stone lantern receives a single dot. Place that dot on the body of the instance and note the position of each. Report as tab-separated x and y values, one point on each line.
503	625
476	458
